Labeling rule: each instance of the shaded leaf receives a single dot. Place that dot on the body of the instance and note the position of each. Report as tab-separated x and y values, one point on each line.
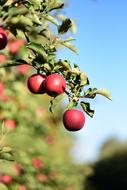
65	26
87	109
38	48
92	92
57	6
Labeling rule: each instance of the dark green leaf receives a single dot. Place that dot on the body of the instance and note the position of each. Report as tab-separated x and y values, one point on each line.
57	6
87	109
2	2
65	26
65	64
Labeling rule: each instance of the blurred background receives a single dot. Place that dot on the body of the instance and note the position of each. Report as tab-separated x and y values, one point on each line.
38	152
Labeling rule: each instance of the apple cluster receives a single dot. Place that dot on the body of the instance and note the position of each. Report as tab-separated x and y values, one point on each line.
53	85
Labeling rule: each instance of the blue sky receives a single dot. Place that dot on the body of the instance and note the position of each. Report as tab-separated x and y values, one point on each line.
102	44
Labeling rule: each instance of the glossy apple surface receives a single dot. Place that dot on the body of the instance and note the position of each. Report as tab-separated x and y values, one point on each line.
55	84
73	120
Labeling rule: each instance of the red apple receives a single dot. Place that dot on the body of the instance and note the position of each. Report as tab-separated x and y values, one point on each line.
15	45
1	88
42	177
36	83
3	39
37	163
18	168
73	120
49	139
55	84
6	179
22	69
3	58
10	123
22	187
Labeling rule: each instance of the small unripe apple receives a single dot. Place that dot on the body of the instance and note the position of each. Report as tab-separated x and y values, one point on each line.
36	83
10	123
3	39
73	120
6	179
55	84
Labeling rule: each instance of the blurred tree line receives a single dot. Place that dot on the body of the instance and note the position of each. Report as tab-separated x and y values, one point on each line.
109	172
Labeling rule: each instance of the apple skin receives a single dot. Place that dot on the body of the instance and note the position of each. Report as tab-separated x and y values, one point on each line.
1	88
6	179
55	84
3	40
10	123
37	163
42	177
23	69
15	45
22	187
73	120
3	58
36	83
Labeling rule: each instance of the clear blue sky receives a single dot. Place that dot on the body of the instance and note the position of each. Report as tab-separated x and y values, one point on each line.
102	44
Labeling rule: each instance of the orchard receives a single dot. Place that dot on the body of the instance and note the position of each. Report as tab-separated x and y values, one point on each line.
31	77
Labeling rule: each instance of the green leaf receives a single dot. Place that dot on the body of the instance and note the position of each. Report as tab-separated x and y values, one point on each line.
11	65
73	27
51	19
21	21
6	156
54	103
72	104
84	79
57	6
92	92
68	45
38	48
6	149
65	26
75	70
36	3
87	109
69	39
105	93
13	11
65	64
